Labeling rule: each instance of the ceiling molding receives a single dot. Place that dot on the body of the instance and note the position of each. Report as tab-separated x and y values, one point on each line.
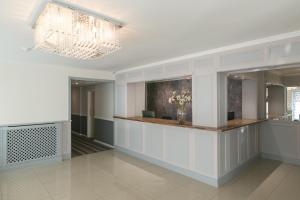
274	38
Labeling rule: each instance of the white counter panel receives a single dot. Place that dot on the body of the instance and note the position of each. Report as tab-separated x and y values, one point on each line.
135	131
187	150
237	147
281	140
243	144
121	133
177	146
204	155
154	141
232	149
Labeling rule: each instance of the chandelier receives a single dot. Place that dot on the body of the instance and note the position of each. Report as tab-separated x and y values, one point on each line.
72	32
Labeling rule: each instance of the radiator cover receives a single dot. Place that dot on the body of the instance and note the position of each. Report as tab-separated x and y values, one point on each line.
25	144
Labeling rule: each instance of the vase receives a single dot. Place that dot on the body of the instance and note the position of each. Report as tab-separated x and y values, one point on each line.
181	116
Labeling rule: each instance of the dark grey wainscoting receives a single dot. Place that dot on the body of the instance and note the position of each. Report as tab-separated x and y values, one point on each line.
104	131
79	124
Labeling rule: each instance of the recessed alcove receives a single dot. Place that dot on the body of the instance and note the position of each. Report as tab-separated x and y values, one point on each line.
154	95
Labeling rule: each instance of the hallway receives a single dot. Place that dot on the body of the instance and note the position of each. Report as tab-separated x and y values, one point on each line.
82	145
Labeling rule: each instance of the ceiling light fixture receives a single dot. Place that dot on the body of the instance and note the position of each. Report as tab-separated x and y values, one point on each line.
71	31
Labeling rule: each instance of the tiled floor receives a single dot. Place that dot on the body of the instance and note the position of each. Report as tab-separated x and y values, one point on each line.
111	175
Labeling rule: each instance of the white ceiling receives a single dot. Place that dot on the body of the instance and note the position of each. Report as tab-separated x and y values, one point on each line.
156	29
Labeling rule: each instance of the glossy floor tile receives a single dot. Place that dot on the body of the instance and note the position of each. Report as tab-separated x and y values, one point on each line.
112	175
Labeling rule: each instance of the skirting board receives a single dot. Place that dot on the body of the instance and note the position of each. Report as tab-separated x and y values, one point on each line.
194	175
205	179
281	158
104	144
230	175
32	163
67	156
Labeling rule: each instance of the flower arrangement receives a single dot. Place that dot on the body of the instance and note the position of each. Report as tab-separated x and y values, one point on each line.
180	100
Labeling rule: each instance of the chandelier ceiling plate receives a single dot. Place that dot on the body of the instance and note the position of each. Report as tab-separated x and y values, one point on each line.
69	30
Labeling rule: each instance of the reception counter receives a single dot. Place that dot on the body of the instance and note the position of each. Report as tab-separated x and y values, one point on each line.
209	155
232	124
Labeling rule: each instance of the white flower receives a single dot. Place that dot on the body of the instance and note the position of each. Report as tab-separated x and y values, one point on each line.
181	102
178	97
189	98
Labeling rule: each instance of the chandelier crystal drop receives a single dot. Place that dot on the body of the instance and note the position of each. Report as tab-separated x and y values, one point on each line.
72	33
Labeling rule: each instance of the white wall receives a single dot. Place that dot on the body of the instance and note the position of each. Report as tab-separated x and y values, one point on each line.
38	94
276	101
75	101
136	94
273	78
261	92
249	99
104	101
80	105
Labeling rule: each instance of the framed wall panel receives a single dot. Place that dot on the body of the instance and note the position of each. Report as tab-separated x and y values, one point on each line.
154	141
177	146
135	132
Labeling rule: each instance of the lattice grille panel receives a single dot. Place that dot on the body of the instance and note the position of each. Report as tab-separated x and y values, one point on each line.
31	143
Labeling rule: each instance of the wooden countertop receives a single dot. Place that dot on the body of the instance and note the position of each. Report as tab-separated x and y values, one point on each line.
232	124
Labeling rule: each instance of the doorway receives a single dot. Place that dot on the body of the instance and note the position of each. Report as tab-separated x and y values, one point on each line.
91	116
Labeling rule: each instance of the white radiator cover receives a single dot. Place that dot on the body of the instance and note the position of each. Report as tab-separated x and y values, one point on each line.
27	144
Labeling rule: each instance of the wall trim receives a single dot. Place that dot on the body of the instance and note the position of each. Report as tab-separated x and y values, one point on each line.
80	115
284	159
233	173
96	117
205	179
57	159
223	49
79	134
104	118
66	156
104	144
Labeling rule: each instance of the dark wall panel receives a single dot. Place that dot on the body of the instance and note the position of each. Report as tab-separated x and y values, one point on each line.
83	125
76	123
234	95
79	124
104	131
158	93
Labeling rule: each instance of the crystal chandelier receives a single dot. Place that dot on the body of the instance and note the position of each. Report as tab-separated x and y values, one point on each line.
74	33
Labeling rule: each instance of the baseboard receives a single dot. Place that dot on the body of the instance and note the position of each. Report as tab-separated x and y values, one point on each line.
104	144
66	156
205	179
233	173
281	158
79	134
104	118
37	162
